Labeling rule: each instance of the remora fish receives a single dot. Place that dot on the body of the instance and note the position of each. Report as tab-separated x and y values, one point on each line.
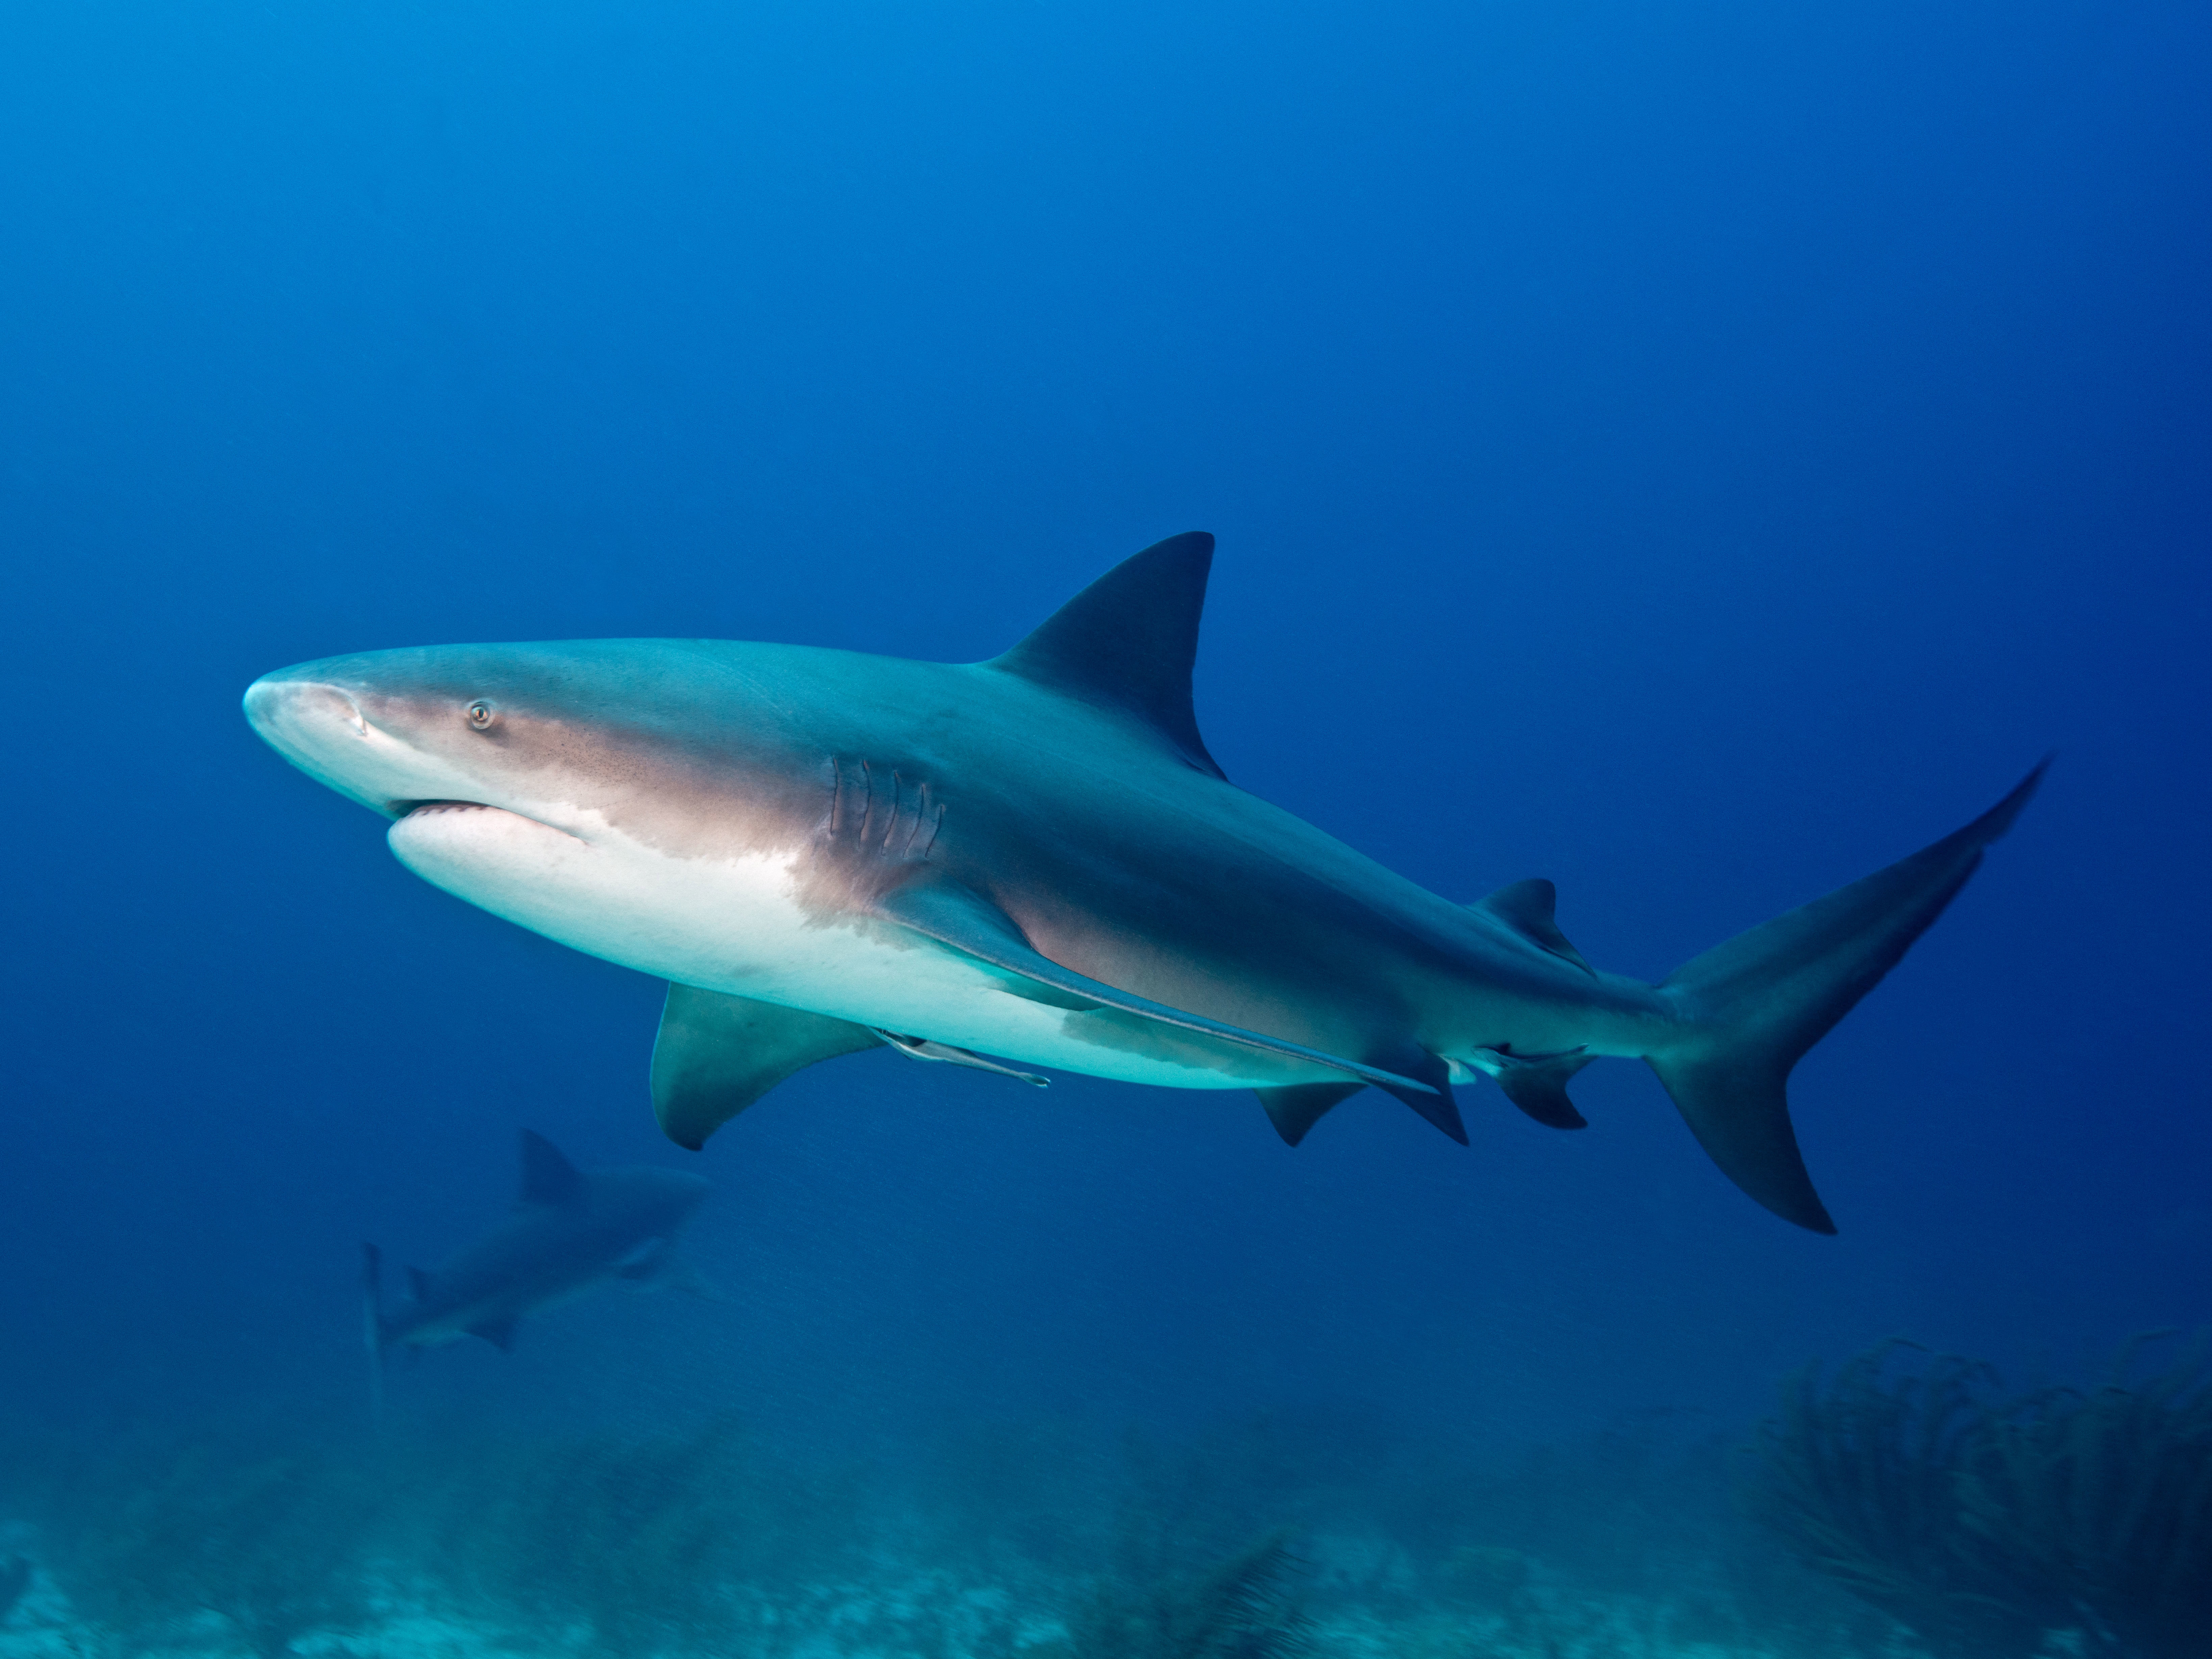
1036	856
570	1229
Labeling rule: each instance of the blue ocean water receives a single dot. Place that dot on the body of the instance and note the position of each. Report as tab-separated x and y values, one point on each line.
1695	452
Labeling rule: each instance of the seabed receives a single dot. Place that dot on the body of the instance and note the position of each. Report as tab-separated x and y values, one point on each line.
1905	1503
932	1615
1255	1541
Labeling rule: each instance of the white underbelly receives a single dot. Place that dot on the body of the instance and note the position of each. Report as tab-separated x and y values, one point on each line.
735	925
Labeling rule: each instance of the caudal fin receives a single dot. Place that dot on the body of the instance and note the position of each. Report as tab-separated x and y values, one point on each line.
1753	1005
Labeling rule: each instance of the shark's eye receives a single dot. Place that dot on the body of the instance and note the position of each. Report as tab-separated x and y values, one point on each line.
481	714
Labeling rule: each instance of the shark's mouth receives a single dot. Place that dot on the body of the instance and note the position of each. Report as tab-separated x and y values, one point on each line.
408	809
403	810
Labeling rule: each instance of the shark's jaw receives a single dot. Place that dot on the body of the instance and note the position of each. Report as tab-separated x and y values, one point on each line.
322	729
739	926
325	731
596	892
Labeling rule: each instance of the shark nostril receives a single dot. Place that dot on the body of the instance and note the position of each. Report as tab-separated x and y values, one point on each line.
276	706
329	701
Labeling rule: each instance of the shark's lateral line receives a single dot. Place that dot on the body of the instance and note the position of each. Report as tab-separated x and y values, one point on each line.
570	1229
1036	857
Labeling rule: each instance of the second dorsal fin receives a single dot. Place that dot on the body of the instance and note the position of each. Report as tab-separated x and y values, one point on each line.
1526	907
1127	641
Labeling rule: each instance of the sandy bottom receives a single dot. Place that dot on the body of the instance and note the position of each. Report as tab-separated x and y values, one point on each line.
930	1614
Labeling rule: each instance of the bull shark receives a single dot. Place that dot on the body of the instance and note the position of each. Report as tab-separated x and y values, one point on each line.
1036	857
569	1230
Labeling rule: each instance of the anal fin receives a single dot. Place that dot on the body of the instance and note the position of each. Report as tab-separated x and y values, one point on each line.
1537	1083
717	1054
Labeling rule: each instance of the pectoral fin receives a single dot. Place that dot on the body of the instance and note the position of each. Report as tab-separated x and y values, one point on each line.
945	910
717	1054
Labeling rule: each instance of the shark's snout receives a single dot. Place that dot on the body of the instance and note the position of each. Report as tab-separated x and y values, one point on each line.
282	707
323	729
310	722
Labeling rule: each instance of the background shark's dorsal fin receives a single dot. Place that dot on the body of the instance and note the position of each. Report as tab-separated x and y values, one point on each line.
548	1178
1526	907
418	1284
1128	642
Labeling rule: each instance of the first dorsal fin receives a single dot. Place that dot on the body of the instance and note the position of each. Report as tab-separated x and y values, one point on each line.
1526	907
548	1178
1127	641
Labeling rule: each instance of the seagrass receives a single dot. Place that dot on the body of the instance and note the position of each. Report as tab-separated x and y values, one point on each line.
1859	1477
2106	1498
1982	1520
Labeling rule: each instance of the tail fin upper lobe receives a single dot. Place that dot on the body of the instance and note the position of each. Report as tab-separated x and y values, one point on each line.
1754	1004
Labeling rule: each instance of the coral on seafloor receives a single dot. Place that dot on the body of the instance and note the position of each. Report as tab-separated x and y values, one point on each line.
154	1539
1986	1520
15	1580
469	1536
1243	1608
